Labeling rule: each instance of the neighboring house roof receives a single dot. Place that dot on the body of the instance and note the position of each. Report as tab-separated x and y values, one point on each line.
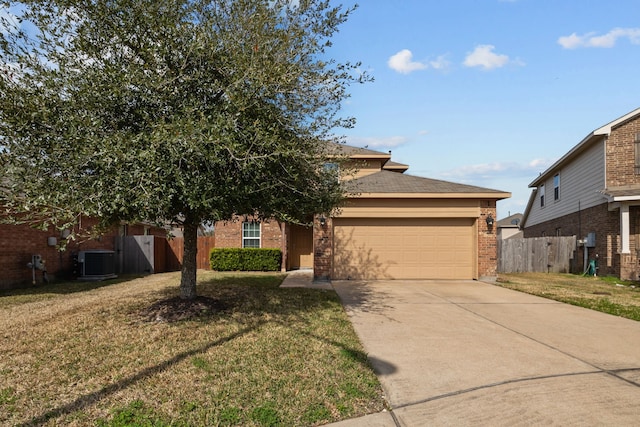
356	152
391	184
626	193
596	135
612	194
395	166
512	221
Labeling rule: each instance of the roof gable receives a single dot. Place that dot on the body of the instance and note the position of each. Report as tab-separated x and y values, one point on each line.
587	141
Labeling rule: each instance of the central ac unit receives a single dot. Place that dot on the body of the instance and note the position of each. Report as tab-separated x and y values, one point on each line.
97	265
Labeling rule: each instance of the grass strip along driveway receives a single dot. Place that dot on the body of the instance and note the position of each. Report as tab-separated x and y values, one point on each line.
606	294
130	353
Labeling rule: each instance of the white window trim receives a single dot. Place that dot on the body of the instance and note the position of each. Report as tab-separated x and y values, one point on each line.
259	238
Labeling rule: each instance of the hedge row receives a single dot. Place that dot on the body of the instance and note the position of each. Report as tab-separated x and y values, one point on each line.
245	259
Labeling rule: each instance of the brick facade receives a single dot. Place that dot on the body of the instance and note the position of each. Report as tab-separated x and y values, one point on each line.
487	241
606	226
229	234
322	249
620	159
19	242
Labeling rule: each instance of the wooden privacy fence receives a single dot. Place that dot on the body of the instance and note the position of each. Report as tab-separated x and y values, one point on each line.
537	254
176	245
150	254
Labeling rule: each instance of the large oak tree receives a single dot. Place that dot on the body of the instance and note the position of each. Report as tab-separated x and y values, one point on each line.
175	111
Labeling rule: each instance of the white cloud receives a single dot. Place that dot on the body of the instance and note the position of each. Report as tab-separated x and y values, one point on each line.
402	62
484	57
608	40
388	142
499	169
440	63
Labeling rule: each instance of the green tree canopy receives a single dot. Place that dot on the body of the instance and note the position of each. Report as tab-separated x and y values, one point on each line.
178	111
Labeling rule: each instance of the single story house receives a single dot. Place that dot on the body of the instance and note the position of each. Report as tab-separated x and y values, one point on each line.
397	226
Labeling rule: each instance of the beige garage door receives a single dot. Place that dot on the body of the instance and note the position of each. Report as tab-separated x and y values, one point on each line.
407	248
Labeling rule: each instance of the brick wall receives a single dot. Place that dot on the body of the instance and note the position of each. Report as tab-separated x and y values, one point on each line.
620	157
322	249
19	242
229	234
606	226
487	241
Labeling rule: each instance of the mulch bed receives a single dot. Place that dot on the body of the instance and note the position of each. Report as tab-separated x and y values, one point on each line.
177	309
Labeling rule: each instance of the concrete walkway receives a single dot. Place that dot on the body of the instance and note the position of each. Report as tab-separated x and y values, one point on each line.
303	279
470	353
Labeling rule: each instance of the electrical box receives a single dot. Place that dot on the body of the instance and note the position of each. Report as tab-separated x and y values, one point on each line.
591	240
37	262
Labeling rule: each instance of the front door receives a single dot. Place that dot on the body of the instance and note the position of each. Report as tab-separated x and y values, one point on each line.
301	247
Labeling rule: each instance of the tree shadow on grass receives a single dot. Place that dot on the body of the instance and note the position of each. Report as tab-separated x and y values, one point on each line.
250	297
91	398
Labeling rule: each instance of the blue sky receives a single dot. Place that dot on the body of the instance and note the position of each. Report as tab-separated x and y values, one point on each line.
489	92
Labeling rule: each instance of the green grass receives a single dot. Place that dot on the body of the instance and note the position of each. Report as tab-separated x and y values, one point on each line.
268	357
606	294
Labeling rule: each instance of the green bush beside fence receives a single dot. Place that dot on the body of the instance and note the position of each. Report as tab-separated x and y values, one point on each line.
245	259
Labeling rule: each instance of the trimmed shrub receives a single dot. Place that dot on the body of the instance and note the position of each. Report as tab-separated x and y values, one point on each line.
245	259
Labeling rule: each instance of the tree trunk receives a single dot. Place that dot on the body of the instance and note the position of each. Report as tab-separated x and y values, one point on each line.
189	262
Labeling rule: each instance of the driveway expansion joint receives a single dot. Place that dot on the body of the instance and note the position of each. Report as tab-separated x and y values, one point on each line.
494	385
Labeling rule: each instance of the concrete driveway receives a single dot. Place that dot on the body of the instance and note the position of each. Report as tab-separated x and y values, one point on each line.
471	353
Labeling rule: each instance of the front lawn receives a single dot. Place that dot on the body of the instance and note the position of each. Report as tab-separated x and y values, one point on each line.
249	353
606	294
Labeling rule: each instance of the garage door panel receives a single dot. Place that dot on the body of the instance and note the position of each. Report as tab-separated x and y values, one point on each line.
403	248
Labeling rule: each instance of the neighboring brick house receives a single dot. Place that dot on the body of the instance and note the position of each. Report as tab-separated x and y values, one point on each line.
397	227
594	191
19	242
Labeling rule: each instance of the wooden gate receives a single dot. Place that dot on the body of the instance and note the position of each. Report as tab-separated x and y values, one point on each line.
152	254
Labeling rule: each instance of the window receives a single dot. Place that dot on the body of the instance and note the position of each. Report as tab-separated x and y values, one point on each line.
558	232
541	190
637	149
251	234
556	187
333	170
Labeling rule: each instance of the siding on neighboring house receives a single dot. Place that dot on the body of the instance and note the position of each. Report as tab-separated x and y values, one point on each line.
580	181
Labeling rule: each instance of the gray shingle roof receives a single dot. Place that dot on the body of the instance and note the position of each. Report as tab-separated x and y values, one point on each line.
625	191
392	182
347	150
